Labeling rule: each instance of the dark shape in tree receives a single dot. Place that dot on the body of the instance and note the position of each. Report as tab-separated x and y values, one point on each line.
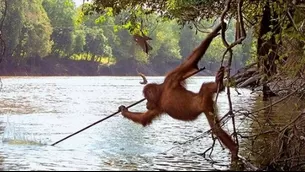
142	41
267	47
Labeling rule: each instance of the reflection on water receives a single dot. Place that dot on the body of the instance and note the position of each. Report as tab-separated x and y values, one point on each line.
38	111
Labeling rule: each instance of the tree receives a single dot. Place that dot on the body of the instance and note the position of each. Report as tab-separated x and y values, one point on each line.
61	14
13	23
166	43
270	18
96	43
27	29
36	31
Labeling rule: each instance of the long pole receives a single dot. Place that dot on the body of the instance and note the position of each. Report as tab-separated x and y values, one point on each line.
97	122
115	113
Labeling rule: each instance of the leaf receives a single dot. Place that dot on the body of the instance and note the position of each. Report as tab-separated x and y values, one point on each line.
109	12
100	20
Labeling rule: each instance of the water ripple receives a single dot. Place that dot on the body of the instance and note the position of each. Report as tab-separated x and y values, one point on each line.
38	111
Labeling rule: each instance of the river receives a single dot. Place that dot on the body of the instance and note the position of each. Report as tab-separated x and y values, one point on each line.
38	111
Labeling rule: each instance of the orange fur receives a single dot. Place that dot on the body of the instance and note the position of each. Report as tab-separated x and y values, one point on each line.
172	98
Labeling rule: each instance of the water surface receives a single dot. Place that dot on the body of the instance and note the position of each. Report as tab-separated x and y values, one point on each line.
38	111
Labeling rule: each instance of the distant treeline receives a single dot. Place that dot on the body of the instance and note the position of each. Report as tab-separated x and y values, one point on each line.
51	37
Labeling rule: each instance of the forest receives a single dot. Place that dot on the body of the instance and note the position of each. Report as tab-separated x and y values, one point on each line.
52	37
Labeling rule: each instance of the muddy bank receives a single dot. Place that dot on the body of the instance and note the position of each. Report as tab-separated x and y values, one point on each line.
250	77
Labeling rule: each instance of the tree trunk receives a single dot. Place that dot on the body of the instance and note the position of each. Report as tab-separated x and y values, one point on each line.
267	46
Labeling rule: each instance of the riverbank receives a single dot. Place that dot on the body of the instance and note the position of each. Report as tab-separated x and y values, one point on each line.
49	66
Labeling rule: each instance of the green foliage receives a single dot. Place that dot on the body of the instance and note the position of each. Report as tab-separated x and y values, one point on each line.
188	40
61	14
13	23
36	30
79	41
58	29
96	42
187	10
94	36
166	43
27	29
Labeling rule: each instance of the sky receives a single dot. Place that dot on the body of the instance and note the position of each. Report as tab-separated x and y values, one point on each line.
78	2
